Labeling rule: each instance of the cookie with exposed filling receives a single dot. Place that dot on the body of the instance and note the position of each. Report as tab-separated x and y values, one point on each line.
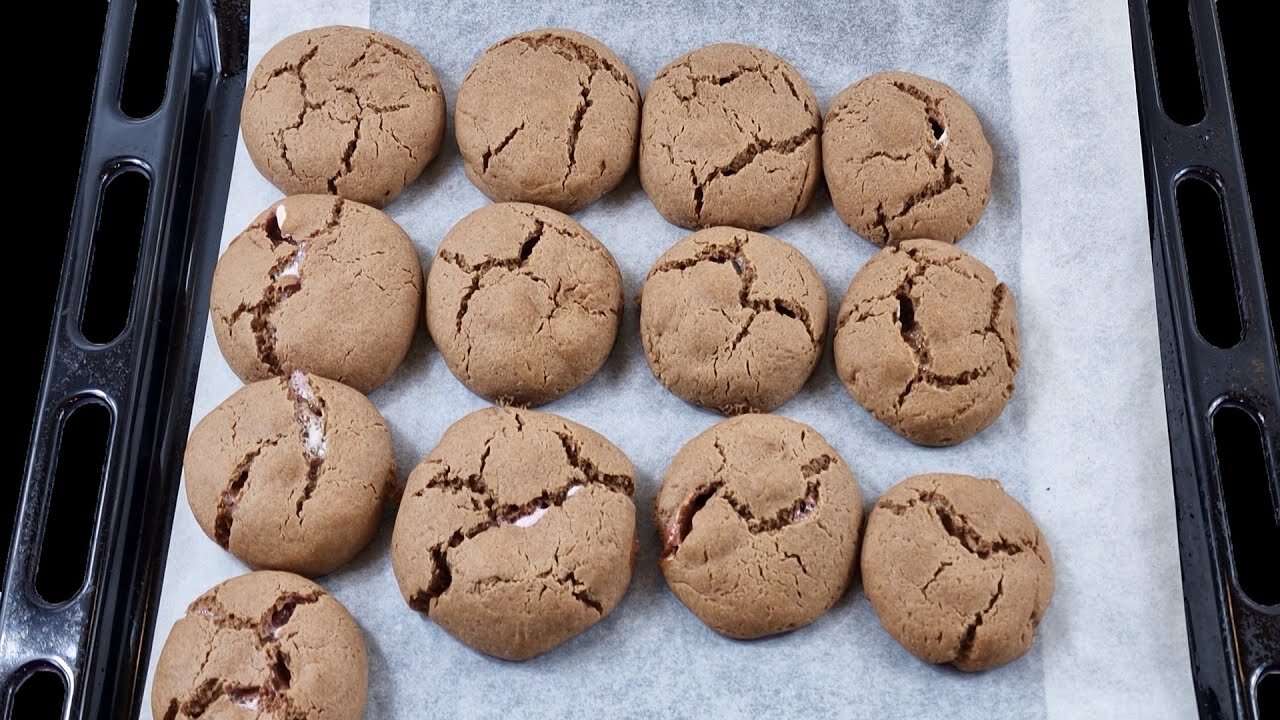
549	117
758	519
264	645
730	136
517	532
957	570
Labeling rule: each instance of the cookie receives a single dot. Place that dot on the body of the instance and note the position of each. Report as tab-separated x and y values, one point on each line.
927	341
319	284
905	157
266	645
344	111
291	473
730	136
758	519
523	303
957	570
517	532
549	117
733	320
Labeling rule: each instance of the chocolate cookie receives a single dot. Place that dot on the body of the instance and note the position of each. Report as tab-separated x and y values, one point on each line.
733	320
262	645
517	532
957	570
927	340
291	473
342	110
758	518
320	284
729	137
523	303
905	157
549	117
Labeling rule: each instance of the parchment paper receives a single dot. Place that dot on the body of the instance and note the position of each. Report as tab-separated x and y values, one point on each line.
1083	444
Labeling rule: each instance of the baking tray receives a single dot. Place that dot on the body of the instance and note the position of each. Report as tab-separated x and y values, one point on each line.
96	641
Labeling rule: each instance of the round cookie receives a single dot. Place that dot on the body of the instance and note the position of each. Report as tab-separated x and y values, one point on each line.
549	117
758	519
905	157
523	303
927	341
342	110
733	320
319	284
517	532
729	137
957	570
265	645
291	473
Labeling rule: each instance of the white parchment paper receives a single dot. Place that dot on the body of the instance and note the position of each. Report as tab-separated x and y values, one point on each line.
1083	444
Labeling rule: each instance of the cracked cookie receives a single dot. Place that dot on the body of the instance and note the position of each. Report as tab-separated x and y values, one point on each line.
262	645
927	341
905	157
957	570
342	110
523	303
758	519
319	284
729	137
549	117
733	320
291	473
517	532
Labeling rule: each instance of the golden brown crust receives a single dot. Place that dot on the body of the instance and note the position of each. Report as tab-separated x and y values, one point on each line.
517	532
548	116
957	570
733	320
905	157
523	303
335	289
291	473
344	111
758	519
264	645
730	137
927	341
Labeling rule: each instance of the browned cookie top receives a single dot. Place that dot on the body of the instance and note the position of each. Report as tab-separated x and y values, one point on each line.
523	303
517	532
905	157
319	284
957	570
291	473
927	341
733	320
729	137
758	519
263	645
342	110
549	117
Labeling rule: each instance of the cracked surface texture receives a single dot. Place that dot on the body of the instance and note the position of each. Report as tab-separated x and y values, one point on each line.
733	320
517	532
905	157
549	117
291	473
319	284
758	519
523	303
344	111
262	645
730	136
927	341
957	570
